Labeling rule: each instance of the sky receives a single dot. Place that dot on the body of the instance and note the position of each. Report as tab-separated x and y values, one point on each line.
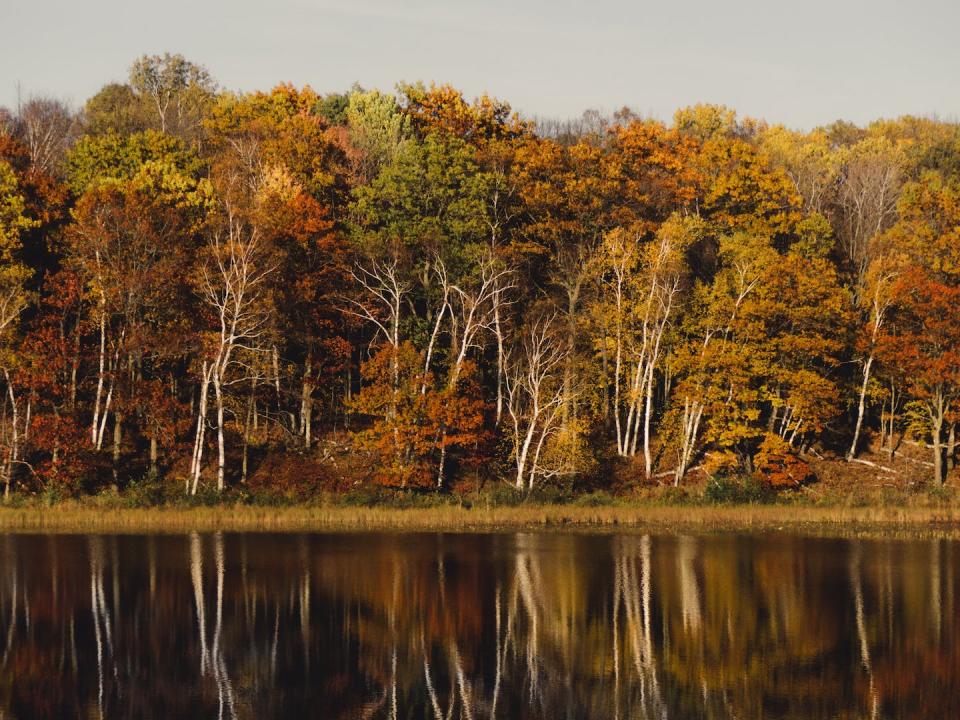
801	63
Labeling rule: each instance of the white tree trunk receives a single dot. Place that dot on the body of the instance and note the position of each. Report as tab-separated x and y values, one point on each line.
852	452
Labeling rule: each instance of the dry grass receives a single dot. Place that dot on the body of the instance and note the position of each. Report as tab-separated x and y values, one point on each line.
68	517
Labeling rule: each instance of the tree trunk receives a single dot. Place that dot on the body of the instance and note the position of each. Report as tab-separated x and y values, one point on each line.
938	468
117	440
498	332
939	473
692	412
100	372
197	463
248	421
952	447
852	452
14	439
893	416
441	470
221	446
647	412
75	364
153	451
306	411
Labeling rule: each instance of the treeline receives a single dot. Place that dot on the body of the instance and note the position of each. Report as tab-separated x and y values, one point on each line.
193	280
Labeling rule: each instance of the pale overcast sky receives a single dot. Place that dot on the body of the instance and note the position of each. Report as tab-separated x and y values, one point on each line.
803	62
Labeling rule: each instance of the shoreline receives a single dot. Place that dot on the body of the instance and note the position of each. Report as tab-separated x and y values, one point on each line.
916	522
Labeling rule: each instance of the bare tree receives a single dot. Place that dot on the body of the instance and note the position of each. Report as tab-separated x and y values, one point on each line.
47	127
177	90
869	187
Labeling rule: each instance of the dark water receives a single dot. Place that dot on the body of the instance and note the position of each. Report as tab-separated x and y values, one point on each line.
477	626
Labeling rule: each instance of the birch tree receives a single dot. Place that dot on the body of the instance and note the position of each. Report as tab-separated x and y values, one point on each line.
534	393
643	285
877	296
14	299
232	284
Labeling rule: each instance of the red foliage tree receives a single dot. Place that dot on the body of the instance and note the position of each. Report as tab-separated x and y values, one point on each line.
923	342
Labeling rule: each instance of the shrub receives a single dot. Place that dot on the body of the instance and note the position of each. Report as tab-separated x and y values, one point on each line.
740	490
598	498
147	491
777	464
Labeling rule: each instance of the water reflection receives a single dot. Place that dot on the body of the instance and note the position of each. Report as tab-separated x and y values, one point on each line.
477	627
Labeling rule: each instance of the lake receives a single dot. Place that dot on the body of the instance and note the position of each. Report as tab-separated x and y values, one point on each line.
477	626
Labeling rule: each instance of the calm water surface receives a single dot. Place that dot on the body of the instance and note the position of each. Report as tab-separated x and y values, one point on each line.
477	626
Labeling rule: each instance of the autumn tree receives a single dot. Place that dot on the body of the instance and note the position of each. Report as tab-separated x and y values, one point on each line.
413	419
764	348
535	397
288	174
641	299
232	284
922	339
13	300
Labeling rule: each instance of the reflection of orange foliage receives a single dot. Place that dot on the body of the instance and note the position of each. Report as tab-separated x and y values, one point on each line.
778	465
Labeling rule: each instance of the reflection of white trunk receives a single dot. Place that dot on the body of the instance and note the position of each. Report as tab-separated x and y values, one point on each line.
503	647
101	618
196	577
11	558
525	585
857	587
224	687
498	670
689	587
635	589
431	691
936	589
463	686
617	592
152	566
96	635
645	585
305	603
393	683
211	657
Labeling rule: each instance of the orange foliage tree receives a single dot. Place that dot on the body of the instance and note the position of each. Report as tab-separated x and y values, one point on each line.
411	420
922	340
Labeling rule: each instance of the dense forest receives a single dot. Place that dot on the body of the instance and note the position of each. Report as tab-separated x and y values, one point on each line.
419	291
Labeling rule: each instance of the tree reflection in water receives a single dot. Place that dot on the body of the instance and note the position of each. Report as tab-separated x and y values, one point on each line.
477	627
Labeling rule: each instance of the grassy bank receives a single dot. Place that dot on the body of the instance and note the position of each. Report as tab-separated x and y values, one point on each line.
84	517
846	499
